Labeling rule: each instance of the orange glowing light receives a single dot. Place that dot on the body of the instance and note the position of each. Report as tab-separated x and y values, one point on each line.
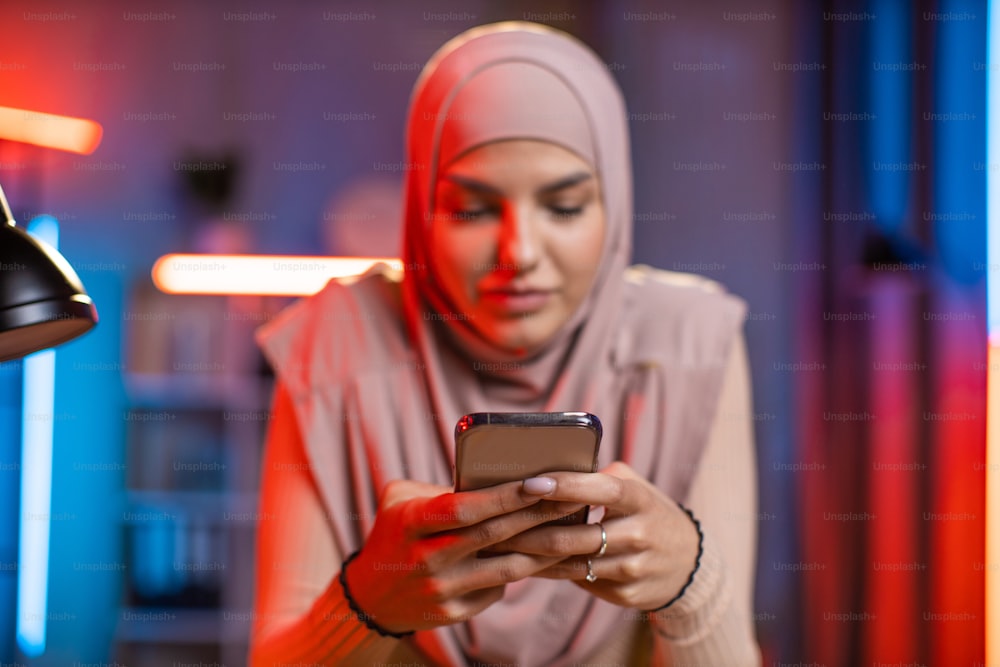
266	275
76	135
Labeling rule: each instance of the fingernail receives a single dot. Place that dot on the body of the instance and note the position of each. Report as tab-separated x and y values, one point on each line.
539	486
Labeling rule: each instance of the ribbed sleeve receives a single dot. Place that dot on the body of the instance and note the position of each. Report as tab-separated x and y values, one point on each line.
329	634
704	628
696	614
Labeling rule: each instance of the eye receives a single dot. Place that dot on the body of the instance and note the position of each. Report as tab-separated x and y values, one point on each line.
565	212
473	214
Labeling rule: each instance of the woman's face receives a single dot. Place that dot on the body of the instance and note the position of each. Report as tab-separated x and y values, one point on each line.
516	239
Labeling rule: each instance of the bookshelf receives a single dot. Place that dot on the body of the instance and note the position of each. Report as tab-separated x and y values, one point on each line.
199	398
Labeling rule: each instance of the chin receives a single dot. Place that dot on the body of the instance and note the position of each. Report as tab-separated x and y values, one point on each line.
522	340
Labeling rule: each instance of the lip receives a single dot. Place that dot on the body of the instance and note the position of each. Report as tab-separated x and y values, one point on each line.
517	300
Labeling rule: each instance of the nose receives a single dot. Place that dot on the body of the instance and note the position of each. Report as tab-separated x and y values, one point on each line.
519	246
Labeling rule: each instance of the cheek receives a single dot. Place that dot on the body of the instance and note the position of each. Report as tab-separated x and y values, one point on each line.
459	255
582	255
594	246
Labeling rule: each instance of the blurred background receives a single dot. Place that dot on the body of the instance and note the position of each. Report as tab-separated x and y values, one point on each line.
826	161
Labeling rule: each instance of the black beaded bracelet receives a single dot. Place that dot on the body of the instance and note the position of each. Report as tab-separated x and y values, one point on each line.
362	616
697	561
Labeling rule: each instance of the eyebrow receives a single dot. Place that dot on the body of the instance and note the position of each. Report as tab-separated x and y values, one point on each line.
479	186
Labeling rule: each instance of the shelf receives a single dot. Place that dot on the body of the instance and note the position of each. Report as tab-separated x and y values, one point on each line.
198	391
182	626
198	503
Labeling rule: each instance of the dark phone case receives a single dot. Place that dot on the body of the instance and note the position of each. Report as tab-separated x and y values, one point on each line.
507	446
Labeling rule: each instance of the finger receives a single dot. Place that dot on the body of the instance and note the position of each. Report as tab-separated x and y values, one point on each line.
561	540
485	534
464	607
622	470
488	573
576	569
449	511
619	494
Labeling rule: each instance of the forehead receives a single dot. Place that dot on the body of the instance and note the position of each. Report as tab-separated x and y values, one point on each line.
526	158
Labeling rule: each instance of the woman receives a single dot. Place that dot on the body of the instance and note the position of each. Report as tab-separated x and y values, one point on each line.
514	297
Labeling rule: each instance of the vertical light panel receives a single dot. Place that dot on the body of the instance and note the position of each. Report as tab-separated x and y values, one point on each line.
993	175
36	481
993	319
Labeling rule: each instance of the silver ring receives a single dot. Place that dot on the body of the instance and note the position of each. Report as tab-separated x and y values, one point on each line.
604	541
591	577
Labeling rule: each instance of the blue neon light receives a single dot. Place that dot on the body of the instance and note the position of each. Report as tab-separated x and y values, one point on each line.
36	481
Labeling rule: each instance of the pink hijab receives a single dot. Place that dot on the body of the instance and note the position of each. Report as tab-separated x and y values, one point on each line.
520	80
377	398
515	80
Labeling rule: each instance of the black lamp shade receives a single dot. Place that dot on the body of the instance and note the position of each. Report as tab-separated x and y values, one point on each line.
42	301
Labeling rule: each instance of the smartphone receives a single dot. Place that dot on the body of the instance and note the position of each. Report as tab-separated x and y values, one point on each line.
496	447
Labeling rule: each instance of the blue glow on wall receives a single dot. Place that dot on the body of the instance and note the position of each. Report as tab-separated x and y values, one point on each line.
959	125
890	92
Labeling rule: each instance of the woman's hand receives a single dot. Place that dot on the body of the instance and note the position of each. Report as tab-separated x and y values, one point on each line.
419	568
652	544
